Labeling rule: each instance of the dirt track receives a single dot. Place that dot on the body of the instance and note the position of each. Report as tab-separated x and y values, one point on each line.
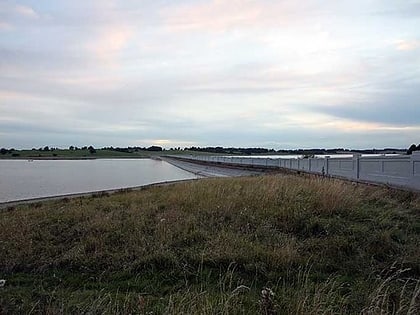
207	170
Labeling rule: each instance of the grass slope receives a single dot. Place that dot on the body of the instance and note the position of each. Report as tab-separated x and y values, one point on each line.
269	245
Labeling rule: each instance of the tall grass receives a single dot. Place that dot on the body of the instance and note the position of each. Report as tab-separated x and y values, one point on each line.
315	246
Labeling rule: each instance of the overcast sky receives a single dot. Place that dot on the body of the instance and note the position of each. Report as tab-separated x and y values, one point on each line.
280	74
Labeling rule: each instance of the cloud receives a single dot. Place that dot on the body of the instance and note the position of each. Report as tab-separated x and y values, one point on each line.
11	13
223	15
406	45
26	11
108	43
395	109
405	9
5	26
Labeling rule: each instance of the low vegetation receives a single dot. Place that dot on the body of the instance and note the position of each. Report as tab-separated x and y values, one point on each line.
67	154
90	153
258	245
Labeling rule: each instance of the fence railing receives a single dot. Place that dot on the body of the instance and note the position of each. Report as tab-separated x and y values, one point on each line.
401	170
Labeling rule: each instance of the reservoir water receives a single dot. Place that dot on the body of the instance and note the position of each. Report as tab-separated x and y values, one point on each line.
23	179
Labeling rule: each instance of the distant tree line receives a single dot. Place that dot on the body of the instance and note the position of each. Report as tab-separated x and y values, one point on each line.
413	148
12	152
90	148
4	151
313	151
134	149
46	149
231	150
222	150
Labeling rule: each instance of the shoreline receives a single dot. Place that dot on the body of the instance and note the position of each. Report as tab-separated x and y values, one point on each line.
96	193
201	172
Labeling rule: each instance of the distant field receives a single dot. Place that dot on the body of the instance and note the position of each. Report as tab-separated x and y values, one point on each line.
68	154
258	245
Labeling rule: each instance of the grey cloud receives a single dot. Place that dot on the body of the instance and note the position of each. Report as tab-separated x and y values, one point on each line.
298	137
404	9
395	108
39	62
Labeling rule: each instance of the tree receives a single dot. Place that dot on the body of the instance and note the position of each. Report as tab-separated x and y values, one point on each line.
3	151
154	148
71	148
46	148
91	150
411	149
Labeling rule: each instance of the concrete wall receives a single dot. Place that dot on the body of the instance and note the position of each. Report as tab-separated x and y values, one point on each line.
318	166
402	171
387	171
342	167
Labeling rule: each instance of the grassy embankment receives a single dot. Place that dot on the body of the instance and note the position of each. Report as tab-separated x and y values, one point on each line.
209	247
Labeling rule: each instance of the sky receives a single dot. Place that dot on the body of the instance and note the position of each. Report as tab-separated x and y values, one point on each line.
278	74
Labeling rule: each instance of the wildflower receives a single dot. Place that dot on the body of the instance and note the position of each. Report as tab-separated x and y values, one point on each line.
267	301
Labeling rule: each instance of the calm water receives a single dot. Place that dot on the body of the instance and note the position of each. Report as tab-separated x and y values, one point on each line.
22	179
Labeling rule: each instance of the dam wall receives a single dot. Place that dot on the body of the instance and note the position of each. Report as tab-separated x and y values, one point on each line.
397	171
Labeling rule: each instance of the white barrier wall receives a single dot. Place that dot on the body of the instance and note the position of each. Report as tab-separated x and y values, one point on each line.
318	165
402	170
415	167
395	170
343	167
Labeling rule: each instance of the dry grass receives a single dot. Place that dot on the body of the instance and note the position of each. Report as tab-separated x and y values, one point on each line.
209	247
